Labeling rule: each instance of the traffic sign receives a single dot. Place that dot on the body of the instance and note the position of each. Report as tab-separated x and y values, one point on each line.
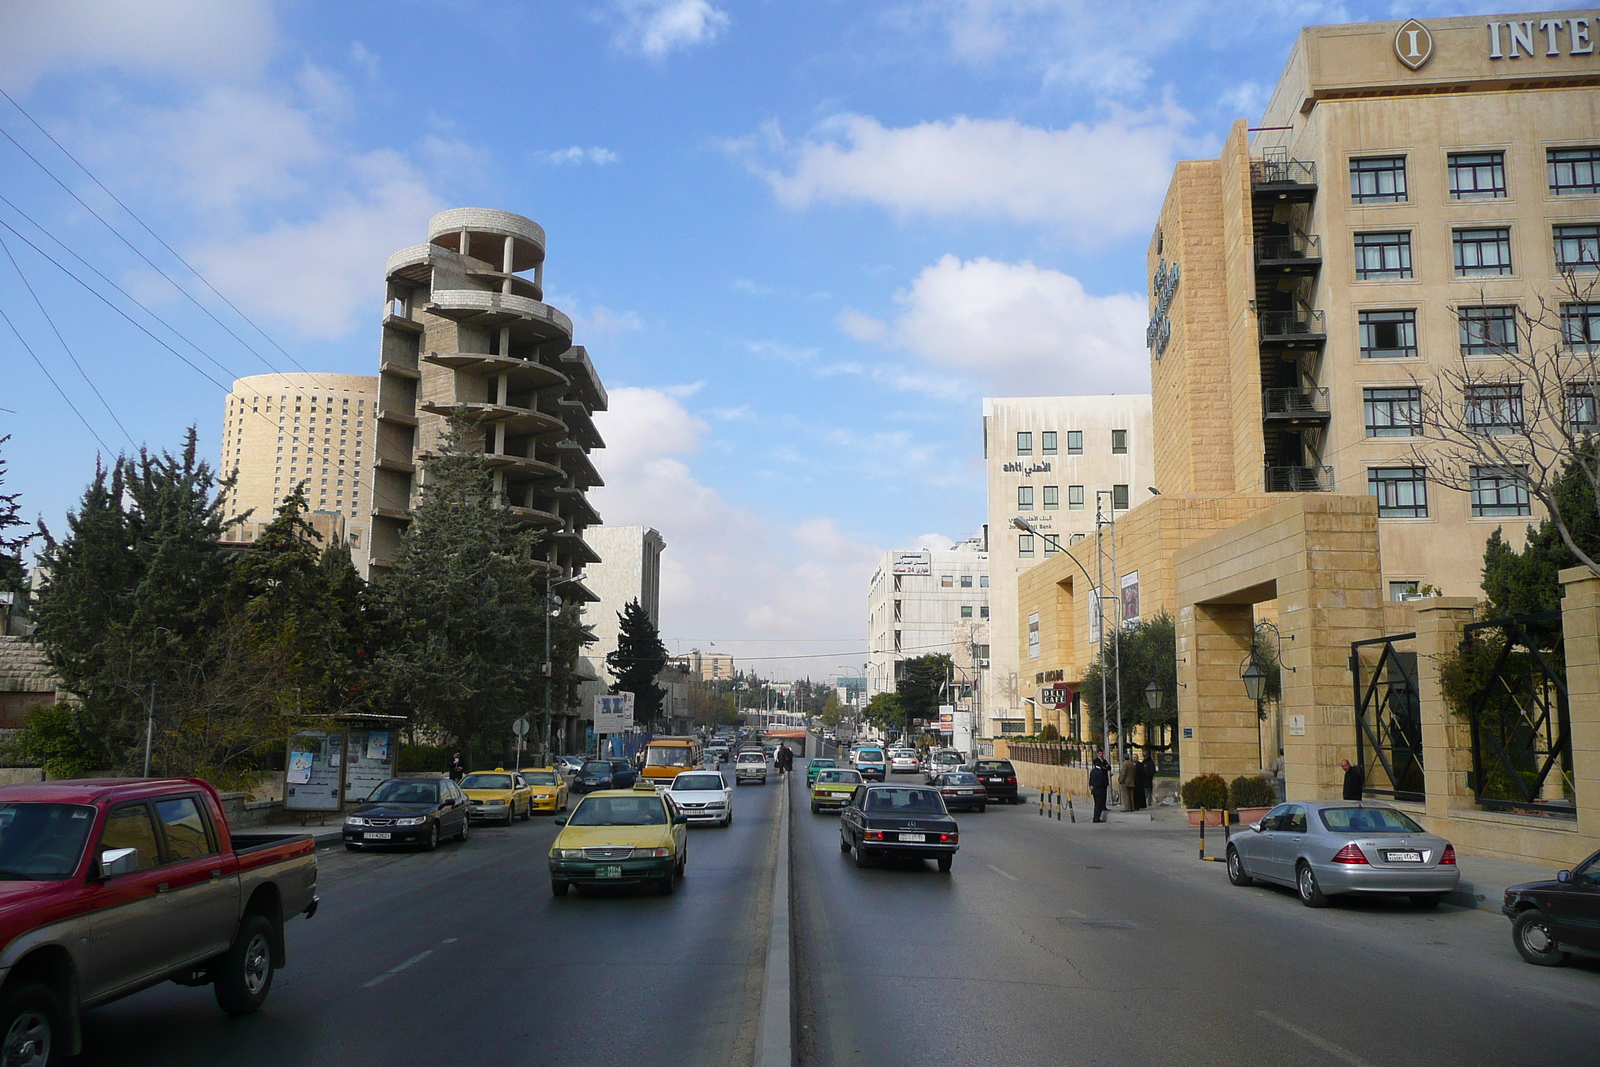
520	727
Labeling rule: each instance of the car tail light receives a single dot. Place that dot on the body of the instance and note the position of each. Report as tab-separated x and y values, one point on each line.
948	839
873	835
1349	854
1449	855
1011	781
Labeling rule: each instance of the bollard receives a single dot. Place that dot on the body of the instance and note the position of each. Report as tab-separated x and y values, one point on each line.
1041	802
1071	812
1212	859
1058	805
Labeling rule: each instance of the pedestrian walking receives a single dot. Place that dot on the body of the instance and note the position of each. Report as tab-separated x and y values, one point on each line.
1147	781
1128	779
458	770
1099	784
1354	780
785	759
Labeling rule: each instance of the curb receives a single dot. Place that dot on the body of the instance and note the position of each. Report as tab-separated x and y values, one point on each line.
774	1039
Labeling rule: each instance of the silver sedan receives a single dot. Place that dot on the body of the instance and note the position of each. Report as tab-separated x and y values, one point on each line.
1324	849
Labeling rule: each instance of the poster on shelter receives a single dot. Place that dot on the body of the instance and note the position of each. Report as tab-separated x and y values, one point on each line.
378	745
311	777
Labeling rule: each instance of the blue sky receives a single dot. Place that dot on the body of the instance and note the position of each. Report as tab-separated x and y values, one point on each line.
800	240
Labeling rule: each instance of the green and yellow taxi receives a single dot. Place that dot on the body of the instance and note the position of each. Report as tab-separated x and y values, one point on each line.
547	789
815	767
498	795
620	837
834	788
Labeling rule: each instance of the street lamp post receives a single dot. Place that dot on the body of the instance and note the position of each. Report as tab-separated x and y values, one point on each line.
1101	522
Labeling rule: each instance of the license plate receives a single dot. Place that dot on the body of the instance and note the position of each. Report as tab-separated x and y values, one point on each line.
1403	857
963	792
376	837
614	871
913	837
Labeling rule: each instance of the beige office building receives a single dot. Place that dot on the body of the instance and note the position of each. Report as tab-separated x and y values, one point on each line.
1057	462
280	430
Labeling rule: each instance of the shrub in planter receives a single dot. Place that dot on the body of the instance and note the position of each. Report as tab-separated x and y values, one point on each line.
1206	791
1252	791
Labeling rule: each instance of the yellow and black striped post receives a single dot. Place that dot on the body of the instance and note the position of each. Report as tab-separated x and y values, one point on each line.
1212	859
1072	813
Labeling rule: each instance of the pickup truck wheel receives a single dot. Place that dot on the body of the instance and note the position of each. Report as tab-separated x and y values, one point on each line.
244	976
30	1017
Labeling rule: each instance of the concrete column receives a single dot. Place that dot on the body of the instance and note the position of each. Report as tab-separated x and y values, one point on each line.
1216	719
506	259
500	387
1580	623
1446	737
505	348
466	241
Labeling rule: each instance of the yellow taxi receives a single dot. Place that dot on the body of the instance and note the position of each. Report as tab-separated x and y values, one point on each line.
833	789
499	794
548	789
620	837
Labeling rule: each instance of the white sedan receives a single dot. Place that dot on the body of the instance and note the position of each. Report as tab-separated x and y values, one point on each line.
703	796
903	761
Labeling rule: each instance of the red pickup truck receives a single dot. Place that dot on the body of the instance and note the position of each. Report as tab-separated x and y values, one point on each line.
110	886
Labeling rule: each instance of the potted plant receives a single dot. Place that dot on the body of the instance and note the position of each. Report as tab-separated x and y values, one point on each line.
1207	794
1252	796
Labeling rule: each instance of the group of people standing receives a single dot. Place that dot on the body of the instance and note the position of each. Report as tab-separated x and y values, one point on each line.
1137	779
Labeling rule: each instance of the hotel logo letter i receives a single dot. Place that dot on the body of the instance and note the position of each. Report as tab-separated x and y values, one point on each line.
1413	44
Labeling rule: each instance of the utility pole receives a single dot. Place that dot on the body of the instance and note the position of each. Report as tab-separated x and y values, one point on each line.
149	728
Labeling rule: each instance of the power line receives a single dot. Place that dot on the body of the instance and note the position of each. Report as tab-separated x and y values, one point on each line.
47	374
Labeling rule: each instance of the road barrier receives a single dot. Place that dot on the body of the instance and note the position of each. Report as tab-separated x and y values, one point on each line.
1213	859
1050	803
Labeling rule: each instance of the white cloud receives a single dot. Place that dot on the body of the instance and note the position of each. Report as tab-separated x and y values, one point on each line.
1022	330
656	27
577	154
179	39
861	326
1092	179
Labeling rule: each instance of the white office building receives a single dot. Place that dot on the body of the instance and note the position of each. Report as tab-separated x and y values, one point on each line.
916	601
629	569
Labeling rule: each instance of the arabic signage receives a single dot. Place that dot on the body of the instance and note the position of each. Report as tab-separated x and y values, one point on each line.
912	563
1165	286
1016	466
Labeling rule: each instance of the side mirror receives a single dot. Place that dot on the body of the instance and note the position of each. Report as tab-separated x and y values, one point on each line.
561	822
115	862
1564	877
1256	826
680	820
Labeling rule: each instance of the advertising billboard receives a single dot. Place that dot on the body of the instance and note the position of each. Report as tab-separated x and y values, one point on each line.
912	563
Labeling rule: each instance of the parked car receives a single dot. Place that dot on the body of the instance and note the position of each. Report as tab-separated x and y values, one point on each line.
1549	918
569	765
903	761
962	791
704	796
872	764
751	766
409	811
833	789
498	794
618	837
999	779
898	820
1327	849
546	788
944	761
816	766
152	865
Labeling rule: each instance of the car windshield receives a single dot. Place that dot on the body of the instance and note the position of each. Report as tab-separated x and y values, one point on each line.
668	756
1368	821
898	800
401	791
960	779
619	811
539	777
597	767
486	781
847	777
687	782
42	841
995	766
823	763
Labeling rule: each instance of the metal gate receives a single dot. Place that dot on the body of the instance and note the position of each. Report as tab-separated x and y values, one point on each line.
1388	717
1521	725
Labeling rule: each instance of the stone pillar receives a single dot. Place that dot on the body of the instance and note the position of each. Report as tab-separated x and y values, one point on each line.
1580	630
1446	737
1216	720
1032	727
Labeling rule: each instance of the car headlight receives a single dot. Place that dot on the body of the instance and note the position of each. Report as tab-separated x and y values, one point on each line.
417	821
354	820
715	806
567	853
651	853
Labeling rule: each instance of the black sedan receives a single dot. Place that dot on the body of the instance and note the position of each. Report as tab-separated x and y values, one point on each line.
898	820
962	791
409	811
999	779
625	773
1549	918
594	774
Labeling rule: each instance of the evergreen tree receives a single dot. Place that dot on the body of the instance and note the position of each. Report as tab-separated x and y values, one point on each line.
920	686
1149	653
638	658
13	572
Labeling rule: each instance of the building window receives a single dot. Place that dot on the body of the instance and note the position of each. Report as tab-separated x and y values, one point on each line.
1024	497
1488	331
1052	497
983	611
1577	247
1482	253
1580	324
1074	498
966	581
1119	498
1388	334
1498	492
1380	180
1025	545
1494	409
1047	442
1393	412
1075	538
966	611
1024	443
1477	175
1574	171
1381	256
1404	590
1074	442
1052	545
1119	442
1582	414
947	581
1402	492
983	581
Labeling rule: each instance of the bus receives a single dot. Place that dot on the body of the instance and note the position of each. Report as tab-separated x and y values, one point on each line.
667	757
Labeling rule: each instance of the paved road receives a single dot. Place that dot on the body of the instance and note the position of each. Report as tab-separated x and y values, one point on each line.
462	957
1051	943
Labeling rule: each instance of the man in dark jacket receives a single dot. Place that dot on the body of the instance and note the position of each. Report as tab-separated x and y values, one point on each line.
1147	781
1099	783
458	770
784	759
1354	781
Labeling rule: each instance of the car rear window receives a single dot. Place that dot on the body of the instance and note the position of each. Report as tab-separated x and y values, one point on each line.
960	779
870	755
995	766
849	777
905	800
598	767
1368	821
752	757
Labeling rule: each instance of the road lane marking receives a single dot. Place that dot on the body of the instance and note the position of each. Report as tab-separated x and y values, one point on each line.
1003	874
448	941
1338	1052
392	971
